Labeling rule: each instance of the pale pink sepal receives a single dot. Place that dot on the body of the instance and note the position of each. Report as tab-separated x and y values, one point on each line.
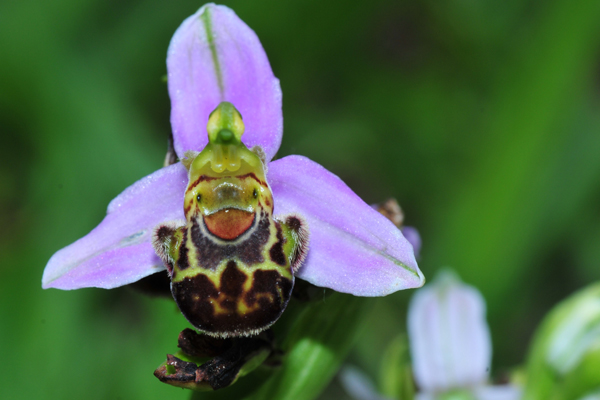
213	57
119	250
353	248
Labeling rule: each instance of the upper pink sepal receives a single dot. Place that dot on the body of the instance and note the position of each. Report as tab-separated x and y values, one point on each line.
213	57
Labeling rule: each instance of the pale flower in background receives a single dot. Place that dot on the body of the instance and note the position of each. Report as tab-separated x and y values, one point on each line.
450	343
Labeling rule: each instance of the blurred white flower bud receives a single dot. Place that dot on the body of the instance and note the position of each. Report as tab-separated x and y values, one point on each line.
450	342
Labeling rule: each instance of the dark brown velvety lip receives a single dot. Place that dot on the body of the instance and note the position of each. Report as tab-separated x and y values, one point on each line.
229	223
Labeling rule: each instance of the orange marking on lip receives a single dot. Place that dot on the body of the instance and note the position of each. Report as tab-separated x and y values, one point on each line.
230	223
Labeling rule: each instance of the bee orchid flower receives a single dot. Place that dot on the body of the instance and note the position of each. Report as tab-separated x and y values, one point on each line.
216	62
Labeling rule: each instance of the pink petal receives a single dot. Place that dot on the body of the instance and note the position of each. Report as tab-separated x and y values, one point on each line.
353	248
215	57
119	250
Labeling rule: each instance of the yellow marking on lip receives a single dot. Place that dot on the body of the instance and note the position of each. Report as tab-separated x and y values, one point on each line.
218	309
242	308
215	275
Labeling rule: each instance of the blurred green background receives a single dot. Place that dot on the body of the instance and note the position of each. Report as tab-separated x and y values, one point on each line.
481	117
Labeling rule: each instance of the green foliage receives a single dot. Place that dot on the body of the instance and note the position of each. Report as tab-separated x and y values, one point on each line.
480	117
565	356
